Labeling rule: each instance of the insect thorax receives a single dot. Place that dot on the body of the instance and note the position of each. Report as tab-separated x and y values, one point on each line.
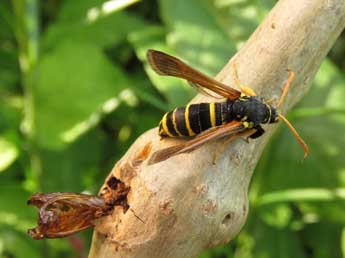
251	111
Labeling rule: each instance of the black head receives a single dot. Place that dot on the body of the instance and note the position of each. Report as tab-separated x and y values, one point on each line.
272	114
254	111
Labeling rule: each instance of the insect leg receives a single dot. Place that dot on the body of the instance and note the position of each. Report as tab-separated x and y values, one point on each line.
271	101
286	87
296	135
244	89
259	131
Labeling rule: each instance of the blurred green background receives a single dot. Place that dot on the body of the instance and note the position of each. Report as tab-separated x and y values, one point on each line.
76	91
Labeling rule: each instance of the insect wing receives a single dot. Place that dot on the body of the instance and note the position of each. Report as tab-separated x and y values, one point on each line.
231	128
62	214
204	91
165	64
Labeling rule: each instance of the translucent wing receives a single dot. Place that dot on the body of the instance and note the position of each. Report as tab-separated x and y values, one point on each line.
231	128
203	91
165	64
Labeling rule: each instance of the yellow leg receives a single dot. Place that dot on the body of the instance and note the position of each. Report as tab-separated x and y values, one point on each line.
244	89
248	91
271	101
286	87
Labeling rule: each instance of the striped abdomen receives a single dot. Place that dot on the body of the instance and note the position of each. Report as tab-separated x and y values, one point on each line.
191	120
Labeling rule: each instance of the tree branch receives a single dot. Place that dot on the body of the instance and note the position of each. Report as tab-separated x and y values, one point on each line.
186	204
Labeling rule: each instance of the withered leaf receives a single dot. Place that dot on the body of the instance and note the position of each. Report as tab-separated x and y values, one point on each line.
62	214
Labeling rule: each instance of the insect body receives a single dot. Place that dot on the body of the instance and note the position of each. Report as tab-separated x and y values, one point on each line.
241	114
192	119
196	118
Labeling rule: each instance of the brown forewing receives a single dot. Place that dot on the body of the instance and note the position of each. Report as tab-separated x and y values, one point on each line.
165	64
232	128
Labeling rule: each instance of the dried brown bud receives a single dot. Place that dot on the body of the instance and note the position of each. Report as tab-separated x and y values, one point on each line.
62	214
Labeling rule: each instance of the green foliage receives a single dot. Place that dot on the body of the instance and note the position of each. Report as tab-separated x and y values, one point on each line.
76	91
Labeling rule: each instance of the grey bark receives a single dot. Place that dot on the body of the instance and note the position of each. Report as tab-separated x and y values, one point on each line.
186	203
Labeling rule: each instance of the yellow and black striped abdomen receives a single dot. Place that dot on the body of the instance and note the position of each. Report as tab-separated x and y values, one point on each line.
191	120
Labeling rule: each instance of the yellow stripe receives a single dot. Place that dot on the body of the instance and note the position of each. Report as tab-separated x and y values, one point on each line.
165	127
269	117
186	117
161	130
174	123
213	114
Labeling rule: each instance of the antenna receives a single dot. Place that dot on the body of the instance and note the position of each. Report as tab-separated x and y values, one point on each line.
296	135
286	87
283	118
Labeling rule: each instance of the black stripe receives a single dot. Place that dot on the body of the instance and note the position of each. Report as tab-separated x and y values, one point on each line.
180	121
194	120
204	116
228	112
170	124
218	110
224	111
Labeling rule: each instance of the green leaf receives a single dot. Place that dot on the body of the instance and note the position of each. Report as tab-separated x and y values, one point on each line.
323	239
316	203
9	69
197	38
176	91
343	242
315	194
17	244
14	211
272	242
260	240
218	252
75	81
278	215
239	18
8	153
97	33
143	89
79	11
73	169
